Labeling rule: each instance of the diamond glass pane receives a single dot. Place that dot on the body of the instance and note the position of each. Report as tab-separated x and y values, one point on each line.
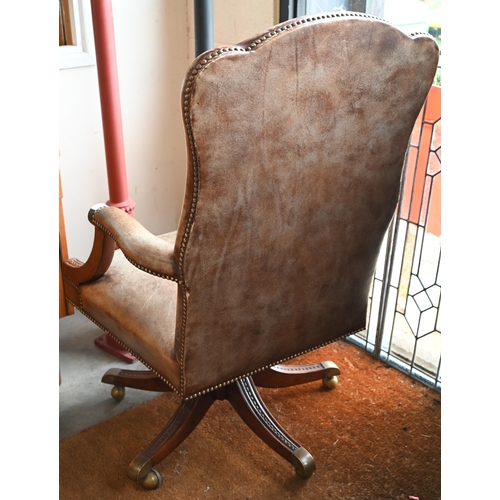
408	288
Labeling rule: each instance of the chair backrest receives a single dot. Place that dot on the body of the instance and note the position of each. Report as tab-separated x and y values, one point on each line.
296	142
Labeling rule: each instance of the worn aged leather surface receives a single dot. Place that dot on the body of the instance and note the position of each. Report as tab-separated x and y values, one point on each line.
139	309
142	248
297	150
296	140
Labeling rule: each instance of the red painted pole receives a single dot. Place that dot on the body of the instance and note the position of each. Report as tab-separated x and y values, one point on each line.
104	36
107	73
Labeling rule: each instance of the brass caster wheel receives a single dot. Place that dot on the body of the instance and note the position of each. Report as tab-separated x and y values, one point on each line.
330	382
118	392
152	481
303	462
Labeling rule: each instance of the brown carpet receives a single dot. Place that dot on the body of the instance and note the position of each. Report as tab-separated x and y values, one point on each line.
377	436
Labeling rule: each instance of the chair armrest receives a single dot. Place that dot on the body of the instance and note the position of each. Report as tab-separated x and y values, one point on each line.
76	272
142	248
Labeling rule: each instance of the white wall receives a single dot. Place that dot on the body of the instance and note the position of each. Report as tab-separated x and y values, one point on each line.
155	45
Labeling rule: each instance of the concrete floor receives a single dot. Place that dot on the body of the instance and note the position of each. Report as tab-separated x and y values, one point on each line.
83	400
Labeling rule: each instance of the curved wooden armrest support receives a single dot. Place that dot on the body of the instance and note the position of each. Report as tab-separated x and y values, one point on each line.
97	264
142	248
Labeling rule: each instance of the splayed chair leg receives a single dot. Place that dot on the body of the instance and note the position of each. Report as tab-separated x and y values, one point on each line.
184	421
136	379
290	375
245	399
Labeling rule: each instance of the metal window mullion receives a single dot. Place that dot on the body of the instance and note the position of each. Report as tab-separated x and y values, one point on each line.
438	374
300	8
398	284
392	234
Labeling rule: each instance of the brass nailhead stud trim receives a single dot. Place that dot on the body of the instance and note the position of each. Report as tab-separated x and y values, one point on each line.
161	377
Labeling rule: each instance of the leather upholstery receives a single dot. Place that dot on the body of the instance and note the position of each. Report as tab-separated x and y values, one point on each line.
139	309
297	147
296	140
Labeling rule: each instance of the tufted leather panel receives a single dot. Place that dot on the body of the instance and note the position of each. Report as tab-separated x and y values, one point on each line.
296	141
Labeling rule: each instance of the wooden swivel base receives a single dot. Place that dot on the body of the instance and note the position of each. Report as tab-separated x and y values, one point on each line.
244	398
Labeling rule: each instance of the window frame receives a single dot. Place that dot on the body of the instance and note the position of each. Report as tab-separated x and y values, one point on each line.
82	53
288	9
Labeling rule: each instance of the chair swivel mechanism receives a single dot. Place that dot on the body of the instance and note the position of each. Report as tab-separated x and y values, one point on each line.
296	141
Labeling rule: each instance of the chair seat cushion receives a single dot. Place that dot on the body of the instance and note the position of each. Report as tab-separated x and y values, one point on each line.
139	309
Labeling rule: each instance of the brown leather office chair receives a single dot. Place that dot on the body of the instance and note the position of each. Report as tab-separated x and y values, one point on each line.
296	141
